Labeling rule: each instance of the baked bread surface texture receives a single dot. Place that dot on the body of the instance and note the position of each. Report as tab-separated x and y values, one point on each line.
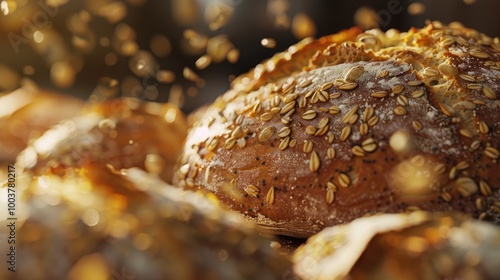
354	124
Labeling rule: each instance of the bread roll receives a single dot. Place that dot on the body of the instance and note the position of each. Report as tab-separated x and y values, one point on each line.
121	133
354	124
92	223
28	112
403	246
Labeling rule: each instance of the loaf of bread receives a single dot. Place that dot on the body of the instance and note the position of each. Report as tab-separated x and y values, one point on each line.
352	124
28	112
419	245
90	222
121	133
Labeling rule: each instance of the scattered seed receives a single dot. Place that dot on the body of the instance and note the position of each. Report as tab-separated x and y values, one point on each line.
354	73
491	152
322	130
308	146
266	116
212	144
230	143
333	110
348	86
368	113
414	83
483	127
417	125
446	196
284	143
480	204
379	94
467	78
369	145
335	95
478	54
466	186
330	196
326	86
402	100
309	115
462	165
485	188
270	196
383	73
346	131
447	42
266	133
302	102
351	112
475	145
323	122
331	186
284	132
430	72
314	162
363	129
440	168
252	190
331	137
293	142
466	133
474	86
305	83
373	121
288	107
417	93
309	93
344	180
397	89
453	173
358	151
400	111
310	130
330	153
323	96
448	70
488	92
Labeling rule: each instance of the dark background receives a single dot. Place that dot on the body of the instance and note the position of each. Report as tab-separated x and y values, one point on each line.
247	26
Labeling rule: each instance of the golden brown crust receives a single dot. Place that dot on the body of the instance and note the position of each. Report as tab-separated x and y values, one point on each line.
28	112
403	246
385	123
121	133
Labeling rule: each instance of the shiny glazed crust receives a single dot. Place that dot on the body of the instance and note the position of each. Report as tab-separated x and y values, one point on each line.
354	124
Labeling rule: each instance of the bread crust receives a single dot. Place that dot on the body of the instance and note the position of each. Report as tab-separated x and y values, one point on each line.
354	124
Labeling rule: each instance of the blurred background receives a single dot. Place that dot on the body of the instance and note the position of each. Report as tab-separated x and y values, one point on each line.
186	51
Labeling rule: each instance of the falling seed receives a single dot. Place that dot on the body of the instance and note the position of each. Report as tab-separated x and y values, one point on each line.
233	55
303	26
203	62
268	43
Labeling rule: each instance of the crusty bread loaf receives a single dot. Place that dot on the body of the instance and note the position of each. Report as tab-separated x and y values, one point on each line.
419	245
89	222
28	112
121	133
354	124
